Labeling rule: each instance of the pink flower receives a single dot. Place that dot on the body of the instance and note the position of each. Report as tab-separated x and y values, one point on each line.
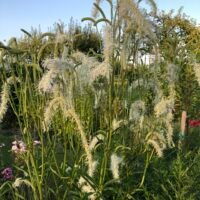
7	173
18	147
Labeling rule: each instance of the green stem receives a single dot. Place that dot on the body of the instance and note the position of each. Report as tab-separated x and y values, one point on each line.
146	167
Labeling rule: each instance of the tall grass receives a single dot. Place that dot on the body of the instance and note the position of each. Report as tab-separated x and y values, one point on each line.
104	124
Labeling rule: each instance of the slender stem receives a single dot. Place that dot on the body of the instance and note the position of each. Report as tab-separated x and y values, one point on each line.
148	158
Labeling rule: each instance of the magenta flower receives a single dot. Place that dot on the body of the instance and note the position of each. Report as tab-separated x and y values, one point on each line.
194	122
7	173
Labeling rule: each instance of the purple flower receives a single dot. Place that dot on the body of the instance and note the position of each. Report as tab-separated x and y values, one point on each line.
7	173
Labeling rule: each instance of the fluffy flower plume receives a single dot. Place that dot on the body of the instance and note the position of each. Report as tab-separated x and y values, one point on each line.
102	70
87	188
5	96
90	69
137	110
93	168
129	11
86	64
164	106
163	110
4	100
20	181
107	43
114	165
50	111
60	78
156	147
158	142
95	140
118	123
47	81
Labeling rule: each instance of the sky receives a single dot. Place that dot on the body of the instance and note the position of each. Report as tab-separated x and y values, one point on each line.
17	14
